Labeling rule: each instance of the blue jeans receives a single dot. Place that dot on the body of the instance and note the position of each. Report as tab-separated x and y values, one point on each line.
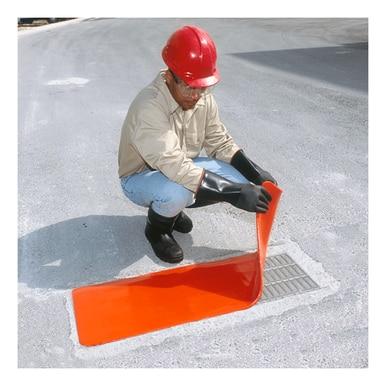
166	197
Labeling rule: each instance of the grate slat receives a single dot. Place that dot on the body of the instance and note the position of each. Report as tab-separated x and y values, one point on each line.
283	277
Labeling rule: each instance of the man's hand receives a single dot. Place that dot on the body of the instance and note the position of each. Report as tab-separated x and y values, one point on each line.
253	198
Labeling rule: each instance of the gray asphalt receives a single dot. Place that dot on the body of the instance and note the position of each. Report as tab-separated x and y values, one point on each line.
293	95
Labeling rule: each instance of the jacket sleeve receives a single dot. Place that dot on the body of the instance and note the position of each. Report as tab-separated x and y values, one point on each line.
158	145
218	143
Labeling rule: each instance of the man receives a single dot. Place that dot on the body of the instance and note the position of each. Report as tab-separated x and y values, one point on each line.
167	125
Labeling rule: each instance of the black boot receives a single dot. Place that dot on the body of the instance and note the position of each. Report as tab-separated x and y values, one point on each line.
183	223
158	231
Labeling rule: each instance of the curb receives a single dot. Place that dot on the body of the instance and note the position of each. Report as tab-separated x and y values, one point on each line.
50	26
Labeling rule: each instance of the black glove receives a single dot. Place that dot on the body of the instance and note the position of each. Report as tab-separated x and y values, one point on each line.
249	197
253	198
249	169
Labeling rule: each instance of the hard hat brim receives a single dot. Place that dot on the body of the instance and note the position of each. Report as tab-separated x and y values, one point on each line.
204	82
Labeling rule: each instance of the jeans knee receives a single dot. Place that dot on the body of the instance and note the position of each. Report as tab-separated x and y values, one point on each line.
174	202
183	197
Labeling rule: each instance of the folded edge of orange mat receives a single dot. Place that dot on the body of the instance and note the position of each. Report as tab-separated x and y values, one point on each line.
128	307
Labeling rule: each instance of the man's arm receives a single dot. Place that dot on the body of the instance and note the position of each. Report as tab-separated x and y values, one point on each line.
218	143
249	169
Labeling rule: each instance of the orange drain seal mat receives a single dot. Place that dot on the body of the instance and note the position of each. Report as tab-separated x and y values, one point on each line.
128	307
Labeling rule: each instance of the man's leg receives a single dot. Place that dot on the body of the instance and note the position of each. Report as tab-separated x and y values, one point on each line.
153	189
165	200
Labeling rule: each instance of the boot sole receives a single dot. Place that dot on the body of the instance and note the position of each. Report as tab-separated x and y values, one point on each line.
182	231
170	261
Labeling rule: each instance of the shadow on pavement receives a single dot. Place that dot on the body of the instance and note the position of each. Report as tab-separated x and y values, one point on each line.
344	65
93	249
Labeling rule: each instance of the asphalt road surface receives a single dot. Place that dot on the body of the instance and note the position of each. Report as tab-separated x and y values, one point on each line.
293	95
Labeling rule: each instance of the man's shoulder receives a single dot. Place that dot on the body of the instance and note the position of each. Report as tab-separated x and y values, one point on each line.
149	96
147	100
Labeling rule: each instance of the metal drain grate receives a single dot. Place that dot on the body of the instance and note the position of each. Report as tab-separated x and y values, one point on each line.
283	277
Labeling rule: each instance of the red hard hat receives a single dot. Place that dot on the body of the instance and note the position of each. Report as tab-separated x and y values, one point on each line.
191	54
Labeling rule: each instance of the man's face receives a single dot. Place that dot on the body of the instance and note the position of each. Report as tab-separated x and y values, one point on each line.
184	95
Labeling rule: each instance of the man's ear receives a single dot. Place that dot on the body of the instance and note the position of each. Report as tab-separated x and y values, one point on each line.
168	77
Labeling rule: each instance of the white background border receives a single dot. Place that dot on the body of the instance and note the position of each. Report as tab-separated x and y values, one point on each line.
197	8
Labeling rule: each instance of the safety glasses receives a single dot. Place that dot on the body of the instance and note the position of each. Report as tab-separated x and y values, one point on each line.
191	92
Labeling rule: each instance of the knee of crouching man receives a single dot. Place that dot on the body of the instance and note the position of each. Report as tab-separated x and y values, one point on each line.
183	197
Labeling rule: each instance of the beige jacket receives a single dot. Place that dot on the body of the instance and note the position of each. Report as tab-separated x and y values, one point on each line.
158	134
